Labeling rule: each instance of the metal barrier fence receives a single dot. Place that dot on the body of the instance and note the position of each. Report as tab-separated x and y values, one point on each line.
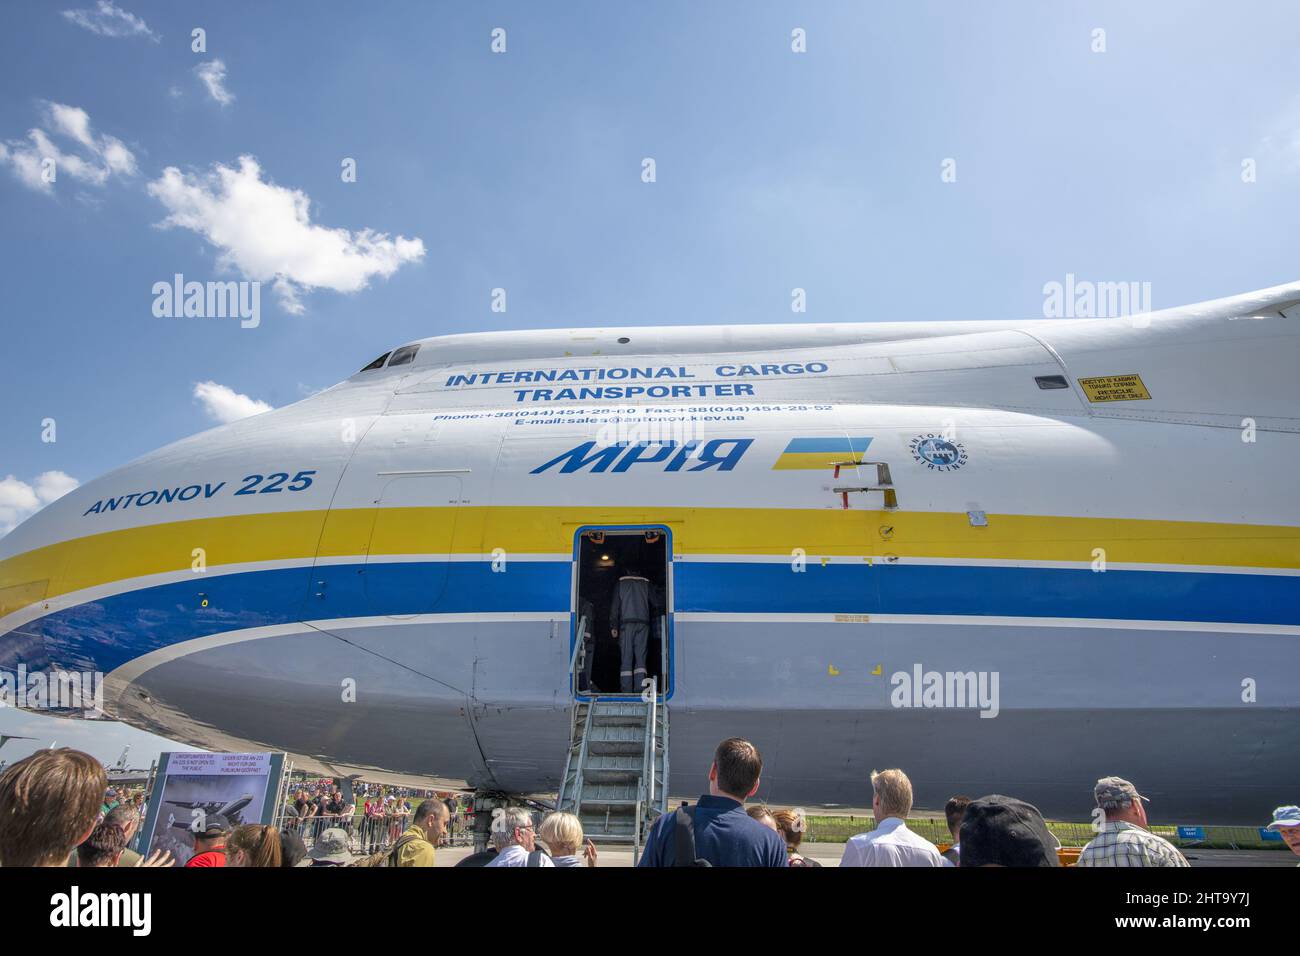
367	835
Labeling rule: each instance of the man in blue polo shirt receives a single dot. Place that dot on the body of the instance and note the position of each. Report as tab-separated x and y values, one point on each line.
717	831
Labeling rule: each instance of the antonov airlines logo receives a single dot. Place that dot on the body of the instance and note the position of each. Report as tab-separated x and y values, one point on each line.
722	454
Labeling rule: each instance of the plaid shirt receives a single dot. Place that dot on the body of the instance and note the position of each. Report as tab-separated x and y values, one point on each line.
1124	844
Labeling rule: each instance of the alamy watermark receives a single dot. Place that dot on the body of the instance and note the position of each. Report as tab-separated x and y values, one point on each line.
52	690
1084	299
948	689
179	299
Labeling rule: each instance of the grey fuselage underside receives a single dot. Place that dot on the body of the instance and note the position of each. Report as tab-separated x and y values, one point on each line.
489	704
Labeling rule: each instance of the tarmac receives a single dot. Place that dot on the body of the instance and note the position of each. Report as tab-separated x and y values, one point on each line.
828	854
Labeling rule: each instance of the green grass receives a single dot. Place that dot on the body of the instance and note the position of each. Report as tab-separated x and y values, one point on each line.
837	829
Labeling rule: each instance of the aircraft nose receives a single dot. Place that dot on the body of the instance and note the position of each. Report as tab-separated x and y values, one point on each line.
37	568
55	568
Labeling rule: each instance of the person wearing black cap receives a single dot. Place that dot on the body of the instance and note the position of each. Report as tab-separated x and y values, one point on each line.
1004	831
209	846
292	850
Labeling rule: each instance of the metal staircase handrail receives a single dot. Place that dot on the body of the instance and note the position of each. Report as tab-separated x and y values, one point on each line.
568	758
582	763
573	655
649	761
663	651
573	718
663	795
645	785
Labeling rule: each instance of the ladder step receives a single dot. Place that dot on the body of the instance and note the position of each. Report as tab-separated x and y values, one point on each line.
614	741
620	709
614	763
616	732
610	794
596	830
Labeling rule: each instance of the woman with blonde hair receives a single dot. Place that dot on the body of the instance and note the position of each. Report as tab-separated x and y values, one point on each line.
792	825
562	834
253	844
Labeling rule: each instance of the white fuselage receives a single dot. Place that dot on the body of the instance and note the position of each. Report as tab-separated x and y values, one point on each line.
1074	581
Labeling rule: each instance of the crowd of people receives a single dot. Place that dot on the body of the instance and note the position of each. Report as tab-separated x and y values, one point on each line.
56	809
385	813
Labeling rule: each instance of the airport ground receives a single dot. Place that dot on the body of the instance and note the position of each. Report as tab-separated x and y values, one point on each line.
828	854
830	831
830	828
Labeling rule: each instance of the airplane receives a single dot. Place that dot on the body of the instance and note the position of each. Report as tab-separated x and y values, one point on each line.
229	814
1006	556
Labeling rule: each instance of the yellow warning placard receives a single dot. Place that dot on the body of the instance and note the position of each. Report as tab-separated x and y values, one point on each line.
1114	388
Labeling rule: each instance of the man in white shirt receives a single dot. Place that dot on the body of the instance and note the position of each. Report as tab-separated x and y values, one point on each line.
891	843
515	836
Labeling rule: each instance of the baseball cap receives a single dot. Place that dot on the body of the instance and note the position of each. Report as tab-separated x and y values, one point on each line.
212	829
1115	792
1004	831
293	851
1284	817
332	846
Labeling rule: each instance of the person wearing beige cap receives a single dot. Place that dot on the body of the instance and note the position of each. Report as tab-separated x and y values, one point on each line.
1124	839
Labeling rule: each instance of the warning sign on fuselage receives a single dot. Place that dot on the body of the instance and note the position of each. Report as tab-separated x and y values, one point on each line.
1115	388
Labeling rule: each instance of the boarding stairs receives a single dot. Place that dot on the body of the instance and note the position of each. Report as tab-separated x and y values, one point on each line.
616	771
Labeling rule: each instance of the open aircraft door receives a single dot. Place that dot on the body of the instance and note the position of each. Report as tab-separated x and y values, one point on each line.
605	663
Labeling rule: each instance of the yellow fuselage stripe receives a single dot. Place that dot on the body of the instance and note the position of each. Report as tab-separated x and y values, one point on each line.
100	559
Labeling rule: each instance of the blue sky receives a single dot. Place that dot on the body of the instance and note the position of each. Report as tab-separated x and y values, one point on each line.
102	739
522	170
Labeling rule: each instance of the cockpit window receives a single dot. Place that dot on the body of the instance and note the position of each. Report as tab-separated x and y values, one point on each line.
404	355
377	363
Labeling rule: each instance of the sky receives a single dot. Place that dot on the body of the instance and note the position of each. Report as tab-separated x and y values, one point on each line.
916	160
104	740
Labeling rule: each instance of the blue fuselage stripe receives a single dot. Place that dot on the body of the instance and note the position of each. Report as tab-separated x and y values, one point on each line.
988	591
108	632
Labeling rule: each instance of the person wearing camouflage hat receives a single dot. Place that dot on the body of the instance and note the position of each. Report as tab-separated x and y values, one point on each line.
331	848
1286	820
1124	839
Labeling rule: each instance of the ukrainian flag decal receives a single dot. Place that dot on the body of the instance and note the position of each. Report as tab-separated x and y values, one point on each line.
810	453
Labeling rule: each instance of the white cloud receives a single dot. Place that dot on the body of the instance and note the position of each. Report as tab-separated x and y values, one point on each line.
73	122
100	157
19	500
110	21
226	405
213	75
265	232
